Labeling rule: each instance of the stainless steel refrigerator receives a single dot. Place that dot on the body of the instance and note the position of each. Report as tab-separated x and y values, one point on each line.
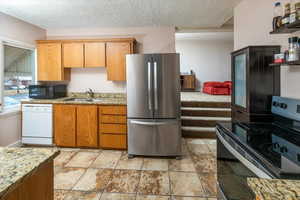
153	104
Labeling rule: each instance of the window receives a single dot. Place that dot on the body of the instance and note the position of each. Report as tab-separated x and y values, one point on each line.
19	70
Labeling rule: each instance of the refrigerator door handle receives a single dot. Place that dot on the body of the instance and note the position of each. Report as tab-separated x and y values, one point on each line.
155	87
149	86
154	123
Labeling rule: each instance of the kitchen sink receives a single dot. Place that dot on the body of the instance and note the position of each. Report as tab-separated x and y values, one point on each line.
83	100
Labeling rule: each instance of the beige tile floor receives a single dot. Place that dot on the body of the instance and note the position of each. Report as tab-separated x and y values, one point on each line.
83	174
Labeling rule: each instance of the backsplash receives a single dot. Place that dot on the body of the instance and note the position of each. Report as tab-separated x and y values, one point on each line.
97	95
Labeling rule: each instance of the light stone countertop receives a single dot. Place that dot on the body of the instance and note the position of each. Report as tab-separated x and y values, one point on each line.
18	163
275	189
101	99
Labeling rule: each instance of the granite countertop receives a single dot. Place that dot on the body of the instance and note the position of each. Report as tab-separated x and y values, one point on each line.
275	189
18	163
100	99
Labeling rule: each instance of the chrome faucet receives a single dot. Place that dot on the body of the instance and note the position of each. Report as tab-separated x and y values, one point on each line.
90	94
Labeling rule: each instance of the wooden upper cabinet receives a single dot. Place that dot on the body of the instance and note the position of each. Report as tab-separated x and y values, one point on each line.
87	126
73	55
94	54
49	63
116	61
65	125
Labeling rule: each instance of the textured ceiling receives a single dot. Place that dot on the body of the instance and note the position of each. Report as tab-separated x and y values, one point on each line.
120	13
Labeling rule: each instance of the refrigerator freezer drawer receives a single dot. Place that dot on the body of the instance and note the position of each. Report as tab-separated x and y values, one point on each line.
154	137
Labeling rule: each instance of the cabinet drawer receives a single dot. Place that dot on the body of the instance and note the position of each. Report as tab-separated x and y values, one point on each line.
112	119
113	128
113	141
113	110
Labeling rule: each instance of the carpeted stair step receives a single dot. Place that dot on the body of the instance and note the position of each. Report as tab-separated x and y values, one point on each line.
202	121
207	112
198	132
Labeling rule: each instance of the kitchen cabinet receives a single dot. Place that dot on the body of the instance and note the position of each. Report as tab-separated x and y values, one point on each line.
254	83
90	126
65	125
38	186
73	55
188	82
116	61
49	63
94	54
87	129
57	57
76	125
113	127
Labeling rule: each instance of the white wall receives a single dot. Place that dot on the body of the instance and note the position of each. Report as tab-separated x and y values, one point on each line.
15	29
149	40
209	59
12	29
253	22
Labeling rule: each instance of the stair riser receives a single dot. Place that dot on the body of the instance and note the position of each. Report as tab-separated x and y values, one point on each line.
206	104
206	113
199	123
198	134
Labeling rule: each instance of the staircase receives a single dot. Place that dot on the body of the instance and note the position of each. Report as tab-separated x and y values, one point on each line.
199	118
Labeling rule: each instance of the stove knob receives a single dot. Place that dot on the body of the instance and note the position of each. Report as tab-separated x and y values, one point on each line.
276	145
283	150
275	103
283	106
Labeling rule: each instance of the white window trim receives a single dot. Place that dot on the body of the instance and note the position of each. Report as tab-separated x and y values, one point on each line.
18	44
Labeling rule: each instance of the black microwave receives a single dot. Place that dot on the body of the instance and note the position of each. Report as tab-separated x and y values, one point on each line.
47	91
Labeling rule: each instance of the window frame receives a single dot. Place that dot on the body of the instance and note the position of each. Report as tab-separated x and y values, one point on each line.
17	44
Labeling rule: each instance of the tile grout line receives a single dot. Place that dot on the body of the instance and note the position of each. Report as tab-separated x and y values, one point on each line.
138	185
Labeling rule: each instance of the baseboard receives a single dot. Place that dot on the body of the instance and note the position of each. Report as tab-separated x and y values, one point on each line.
16	144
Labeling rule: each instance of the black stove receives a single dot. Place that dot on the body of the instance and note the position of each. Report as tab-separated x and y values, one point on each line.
263	150
275	147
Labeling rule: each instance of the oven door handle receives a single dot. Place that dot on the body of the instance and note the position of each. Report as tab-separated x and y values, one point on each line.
259	172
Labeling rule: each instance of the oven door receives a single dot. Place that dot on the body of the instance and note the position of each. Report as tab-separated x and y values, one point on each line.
234	167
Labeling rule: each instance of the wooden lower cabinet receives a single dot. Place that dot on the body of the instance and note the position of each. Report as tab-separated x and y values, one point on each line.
87	126
90	126
111	141
113	127
65	125
38	186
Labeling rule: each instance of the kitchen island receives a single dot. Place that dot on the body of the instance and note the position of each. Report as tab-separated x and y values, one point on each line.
26	173
275	189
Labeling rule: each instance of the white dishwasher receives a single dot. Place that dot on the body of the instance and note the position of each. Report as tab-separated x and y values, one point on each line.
37	124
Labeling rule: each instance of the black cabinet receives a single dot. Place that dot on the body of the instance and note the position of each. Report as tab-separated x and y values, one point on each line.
254	83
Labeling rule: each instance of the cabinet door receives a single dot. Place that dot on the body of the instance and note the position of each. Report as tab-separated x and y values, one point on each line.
87	126
240	80
113	141
73	55
65	125
94	54
49	62
115	55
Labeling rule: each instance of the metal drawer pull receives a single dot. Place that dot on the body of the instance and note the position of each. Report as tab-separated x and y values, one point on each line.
153	123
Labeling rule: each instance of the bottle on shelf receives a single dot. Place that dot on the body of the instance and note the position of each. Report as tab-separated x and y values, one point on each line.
277	16
286	18
293	15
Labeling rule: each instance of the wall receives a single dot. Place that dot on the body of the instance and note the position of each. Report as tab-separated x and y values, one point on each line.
209	59
149	40
10	128
253	22
15	29
20	32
